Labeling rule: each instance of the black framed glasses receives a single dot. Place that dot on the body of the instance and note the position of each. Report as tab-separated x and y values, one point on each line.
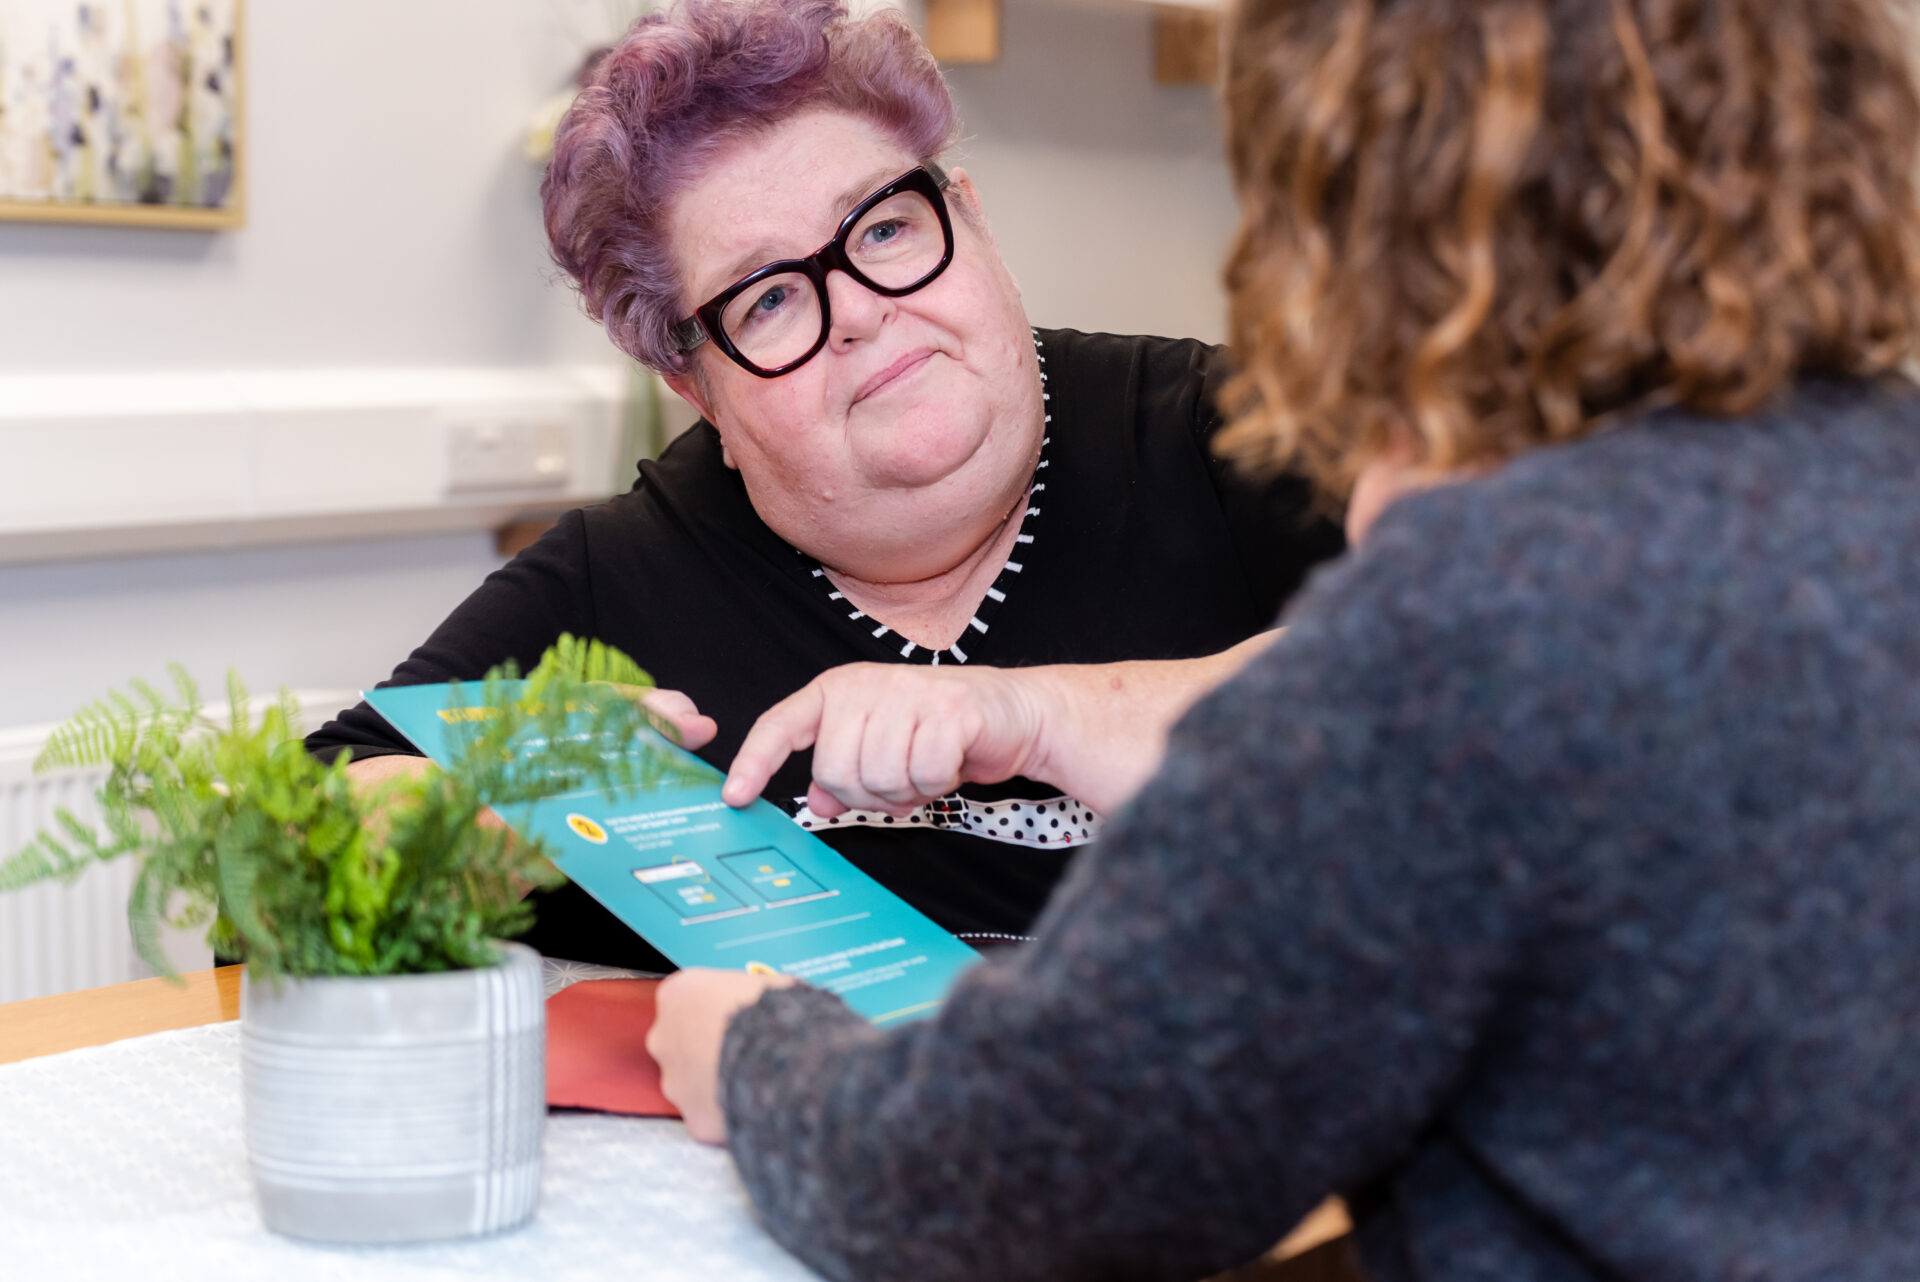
775	319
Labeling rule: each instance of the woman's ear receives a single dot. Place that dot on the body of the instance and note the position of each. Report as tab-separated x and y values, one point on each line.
687	387
962	193
690	388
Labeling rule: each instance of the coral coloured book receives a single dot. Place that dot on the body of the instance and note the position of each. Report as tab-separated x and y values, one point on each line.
709	885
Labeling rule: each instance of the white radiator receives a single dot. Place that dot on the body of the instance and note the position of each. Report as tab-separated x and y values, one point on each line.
54	937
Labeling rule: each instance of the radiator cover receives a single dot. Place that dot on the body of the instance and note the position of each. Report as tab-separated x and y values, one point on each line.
55	937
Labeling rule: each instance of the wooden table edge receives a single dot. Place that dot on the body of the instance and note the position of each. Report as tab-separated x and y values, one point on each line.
95	1016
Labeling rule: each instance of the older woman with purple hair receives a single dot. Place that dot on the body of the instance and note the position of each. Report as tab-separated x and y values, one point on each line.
931	579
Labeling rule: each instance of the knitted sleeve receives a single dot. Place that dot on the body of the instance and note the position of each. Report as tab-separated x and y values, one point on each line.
1254	991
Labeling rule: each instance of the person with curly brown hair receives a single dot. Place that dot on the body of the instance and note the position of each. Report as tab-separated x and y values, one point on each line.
1548	889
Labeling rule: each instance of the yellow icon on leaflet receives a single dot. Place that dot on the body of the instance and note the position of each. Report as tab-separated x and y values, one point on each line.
783	881
588	829
760	968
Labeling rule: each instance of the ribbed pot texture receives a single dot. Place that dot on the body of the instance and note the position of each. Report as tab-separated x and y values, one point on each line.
405	1108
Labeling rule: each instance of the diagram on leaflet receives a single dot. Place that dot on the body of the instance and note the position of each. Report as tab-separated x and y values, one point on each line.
775	877
690	890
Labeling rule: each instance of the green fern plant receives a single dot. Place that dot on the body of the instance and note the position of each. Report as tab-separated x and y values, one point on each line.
573	659
289	866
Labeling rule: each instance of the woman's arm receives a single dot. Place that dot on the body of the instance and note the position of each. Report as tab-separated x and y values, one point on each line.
891	737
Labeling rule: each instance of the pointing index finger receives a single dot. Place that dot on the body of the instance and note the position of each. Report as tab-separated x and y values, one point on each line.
782	730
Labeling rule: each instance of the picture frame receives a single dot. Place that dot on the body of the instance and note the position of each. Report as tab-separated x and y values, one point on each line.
123	112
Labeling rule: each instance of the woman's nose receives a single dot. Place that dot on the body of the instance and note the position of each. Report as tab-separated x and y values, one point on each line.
858	312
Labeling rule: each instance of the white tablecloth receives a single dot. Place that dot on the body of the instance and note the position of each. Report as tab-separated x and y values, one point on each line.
125	1162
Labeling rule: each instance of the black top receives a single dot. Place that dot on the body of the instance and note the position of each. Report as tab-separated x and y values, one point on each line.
1141	545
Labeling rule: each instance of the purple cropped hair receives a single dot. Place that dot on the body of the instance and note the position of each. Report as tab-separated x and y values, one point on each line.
680	86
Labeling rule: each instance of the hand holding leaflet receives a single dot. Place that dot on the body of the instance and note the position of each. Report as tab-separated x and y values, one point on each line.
709	885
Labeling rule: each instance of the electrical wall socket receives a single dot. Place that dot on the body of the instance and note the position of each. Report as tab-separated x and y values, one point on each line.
500	452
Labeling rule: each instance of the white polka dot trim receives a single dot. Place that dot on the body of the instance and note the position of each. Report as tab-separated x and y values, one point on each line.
1057	822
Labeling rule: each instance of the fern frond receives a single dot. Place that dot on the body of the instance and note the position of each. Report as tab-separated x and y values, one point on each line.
123	826
43	858
239	711
275	729
291	715
237	879
155	701
573	659
126	711
86	840
144	908
185	686
92	737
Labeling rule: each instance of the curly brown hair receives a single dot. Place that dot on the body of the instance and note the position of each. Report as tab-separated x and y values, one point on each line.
1470	227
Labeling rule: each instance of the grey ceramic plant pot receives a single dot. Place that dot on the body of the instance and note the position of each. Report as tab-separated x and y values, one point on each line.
408	1108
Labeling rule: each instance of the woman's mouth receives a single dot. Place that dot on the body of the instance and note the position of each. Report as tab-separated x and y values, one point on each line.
893	373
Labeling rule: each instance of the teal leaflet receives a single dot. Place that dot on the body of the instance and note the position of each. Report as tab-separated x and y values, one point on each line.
709	885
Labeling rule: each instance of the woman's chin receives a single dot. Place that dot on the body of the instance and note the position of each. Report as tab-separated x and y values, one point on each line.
921	452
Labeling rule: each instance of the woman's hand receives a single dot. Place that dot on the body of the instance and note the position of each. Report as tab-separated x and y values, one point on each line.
892	736
671	710
691	1013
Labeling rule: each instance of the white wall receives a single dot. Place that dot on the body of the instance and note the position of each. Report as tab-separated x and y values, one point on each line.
392	221
1107	193
331	616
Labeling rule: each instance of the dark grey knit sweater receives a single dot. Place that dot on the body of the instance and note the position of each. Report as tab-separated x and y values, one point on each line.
1552	889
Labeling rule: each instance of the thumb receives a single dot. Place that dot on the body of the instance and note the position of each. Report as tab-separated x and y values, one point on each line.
688	726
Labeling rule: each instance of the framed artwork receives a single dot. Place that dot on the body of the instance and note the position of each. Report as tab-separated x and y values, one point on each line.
121	111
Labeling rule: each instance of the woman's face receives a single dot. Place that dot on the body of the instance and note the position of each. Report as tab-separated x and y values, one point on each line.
907	439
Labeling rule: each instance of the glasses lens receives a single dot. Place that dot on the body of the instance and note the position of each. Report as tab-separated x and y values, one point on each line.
775	321
899	242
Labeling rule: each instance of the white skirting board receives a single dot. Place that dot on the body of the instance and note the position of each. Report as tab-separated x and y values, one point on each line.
55	938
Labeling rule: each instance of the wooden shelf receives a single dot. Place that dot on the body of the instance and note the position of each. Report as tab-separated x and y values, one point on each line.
963	31
1186	37
1186	45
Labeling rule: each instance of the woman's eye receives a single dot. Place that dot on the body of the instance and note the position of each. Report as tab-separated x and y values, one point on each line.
768	305
880	233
